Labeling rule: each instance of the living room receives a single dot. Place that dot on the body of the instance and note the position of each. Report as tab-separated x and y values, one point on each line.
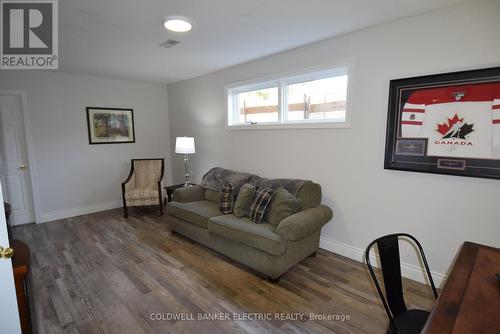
233	89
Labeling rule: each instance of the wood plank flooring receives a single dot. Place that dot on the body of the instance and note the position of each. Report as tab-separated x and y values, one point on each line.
101	273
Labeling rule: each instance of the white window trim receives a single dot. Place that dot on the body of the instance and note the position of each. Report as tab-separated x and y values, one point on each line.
316	73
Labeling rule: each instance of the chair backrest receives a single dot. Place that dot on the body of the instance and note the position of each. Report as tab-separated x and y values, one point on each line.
148	172
388	247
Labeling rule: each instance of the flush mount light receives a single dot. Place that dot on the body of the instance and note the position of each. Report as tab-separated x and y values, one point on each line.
177	24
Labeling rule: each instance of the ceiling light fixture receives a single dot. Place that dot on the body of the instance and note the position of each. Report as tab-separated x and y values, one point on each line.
177	24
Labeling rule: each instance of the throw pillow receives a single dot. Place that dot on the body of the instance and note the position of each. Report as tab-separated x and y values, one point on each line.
260	202
282	205
243	200
226	199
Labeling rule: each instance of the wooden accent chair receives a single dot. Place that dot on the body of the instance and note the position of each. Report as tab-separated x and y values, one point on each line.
143	185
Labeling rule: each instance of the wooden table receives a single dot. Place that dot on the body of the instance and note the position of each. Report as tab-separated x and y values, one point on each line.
470	299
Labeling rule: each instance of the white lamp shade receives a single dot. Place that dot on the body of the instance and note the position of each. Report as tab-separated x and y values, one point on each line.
184	145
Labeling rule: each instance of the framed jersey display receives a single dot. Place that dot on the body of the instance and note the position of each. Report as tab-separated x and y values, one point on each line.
446	124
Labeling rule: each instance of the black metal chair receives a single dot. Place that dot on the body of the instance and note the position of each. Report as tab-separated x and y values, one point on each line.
401	320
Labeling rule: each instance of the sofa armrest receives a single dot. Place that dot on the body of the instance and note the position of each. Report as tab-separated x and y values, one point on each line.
303	223
189	194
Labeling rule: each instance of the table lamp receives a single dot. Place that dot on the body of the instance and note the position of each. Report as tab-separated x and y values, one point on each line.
185	145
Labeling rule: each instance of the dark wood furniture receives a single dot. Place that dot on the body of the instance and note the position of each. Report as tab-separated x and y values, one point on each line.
21	263
470	299
170	191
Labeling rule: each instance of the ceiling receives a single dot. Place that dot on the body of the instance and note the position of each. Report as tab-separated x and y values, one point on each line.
120	38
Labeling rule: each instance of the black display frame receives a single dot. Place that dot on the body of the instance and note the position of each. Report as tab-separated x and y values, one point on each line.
89	132
399	92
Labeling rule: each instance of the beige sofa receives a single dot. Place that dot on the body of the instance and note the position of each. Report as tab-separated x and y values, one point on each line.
271	250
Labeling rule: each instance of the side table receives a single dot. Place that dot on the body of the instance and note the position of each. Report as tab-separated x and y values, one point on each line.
170	191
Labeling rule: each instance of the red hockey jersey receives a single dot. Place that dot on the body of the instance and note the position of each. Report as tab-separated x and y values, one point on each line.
459	121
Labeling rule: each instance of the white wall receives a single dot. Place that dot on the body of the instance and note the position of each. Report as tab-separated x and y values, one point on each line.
368	201
73	177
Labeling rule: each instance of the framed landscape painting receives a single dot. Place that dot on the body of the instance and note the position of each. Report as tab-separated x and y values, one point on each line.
445	124
110	125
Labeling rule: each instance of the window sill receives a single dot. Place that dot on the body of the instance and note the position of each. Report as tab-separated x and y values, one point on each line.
289	126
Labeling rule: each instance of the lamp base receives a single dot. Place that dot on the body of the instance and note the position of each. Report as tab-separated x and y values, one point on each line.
187	171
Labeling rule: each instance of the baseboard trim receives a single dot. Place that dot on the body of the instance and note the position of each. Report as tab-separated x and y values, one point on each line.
68	213
407	270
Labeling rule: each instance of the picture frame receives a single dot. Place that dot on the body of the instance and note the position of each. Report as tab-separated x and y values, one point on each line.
110	125
445	124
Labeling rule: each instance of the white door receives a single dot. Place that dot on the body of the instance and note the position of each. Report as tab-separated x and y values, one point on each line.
14	166
9	314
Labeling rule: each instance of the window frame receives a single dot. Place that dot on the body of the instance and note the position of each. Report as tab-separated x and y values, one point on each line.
282	82
231	92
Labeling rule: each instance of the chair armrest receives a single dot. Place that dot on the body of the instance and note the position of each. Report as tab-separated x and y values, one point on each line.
129	182
189	194
303	223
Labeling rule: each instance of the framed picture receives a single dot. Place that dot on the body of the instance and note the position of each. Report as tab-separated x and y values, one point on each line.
110	125
445	124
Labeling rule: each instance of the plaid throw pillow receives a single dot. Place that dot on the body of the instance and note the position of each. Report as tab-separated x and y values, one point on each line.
226	199
261	200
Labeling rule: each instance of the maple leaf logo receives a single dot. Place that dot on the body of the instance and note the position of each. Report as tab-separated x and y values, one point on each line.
445	128
455	128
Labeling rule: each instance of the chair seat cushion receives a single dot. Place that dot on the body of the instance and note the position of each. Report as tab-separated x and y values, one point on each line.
260	236
411	321
197	212
141	193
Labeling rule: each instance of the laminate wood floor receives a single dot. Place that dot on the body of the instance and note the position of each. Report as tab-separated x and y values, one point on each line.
101	273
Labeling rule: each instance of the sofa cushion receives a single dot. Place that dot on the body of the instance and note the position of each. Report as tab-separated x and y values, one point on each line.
310	194
226	199
189	194
198	212
212	195
259	204
243	200
282	205
260	236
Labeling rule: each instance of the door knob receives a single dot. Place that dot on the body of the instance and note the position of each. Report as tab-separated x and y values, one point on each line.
6	252
23	167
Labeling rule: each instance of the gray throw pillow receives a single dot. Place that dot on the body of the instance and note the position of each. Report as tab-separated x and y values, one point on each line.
282	205
243	200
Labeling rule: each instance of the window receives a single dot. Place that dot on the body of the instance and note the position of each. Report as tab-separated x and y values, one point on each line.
313	98
258	106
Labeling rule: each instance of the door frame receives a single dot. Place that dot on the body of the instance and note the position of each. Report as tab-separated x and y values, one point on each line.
29	148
